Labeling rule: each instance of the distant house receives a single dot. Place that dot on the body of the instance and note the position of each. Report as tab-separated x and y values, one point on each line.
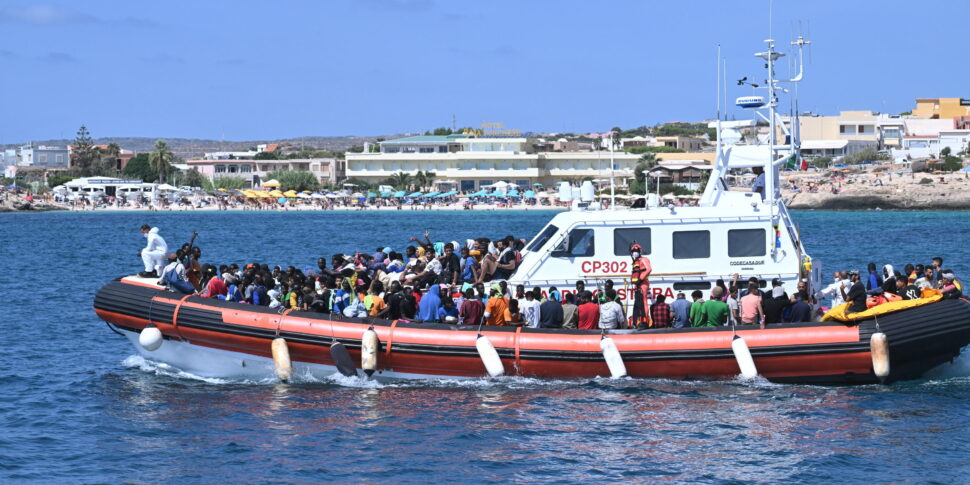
32	155
327	170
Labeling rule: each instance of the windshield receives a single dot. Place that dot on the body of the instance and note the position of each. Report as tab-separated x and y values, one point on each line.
542	238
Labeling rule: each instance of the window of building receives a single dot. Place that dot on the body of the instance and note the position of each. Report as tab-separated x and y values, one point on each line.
426	150
220	169
59	158
579	243
233	169
623	238
246	168
443	149
42	159
467	185
692	244
483	183
746	242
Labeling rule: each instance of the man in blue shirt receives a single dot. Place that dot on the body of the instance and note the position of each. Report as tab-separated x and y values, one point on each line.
681	311
759	182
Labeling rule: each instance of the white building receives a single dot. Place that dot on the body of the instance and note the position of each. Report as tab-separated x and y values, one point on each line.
476	162
254	172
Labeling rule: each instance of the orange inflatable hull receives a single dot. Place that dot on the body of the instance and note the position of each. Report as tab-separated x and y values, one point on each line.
799	352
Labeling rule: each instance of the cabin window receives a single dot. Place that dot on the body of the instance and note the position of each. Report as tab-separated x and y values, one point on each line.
692	244
692	285
579	243
623	238
746	242
542	238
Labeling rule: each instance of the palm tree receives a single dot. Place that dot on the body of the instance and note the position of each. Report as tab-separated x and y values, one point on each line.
401	180
160	159
424	178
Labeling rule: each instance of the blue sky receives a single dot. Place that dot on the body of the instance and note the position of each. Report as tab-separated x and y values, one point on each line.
244	70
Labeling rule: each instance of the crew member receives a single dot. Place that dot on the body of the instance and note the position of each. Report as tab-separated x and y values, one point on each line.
641	286
153	255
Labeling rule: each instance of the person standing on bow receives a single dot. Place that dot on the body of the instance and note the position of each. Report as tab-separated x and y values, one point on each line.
641	286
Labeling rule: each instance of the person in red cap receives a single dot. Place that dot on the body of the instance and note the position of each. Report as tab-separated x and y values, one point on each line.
641	286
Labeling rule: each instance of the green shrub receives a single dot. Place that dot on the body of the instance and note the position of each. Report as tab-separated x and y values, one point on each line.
925	180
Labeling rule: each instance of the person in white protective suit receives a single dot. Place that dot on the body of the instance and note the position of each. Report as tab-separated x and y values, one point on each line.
153	255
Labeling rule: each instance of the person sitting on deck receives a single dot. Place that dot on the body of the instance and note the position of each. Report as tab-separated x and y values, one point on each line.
495	307
153	255
589	312
472	309
696	315
215	287
429	305
950	285
752	312
801	311
660	313
551	312
774	306
713	312
611	313
173	276
570	312
530	309
448	313
856	294
513	314
906	289
680	310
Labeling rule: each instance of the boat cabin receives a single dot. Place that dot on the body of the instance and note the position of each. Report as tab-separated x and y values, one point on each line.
690	248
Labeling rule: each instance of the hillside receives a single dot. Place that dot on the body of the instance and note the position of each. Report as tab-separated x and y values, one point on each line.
194	148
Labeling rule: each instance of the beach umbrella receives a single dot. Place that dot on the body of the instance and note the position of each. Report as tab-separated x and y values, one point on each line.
166	187
431	194
263	194
281	200
222	190
271	183
357	194
529	194
317	195
303	195
514	193
371	194
415	194
331	196
399	194
289	193
496	194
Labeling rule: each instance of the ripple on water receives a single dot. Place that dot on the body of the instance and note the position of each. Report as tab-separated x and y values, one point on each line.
75	406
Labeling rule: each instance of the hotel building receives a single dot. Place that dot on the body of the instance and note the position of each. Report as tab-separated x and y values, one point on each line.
469	163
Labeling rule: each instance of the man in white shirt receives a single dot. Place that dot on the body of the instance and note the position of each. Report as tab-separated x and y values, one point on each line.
611	313
153	255
530	309
834	289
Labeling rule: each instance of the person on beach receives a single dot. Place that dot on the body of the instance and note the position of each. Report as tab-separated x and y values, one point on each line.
153	254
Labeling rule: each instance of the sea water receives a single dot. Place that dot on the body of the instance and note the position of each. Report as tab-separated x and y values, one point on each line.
77	406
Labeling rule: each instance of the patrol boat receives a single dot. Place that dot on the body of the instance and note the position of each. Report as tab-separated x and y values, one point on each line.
690	247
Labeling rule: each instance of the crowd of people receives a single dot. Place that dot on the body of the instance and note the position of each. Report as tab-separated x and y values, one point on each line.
432	282
877	287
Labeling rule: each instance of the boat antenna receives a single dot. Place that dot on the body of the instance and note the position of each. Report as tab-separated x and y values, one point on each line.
613	136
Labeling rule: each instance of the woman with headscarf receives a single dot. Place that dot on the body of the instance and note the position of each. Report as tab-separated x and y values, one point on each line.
889	279
429	306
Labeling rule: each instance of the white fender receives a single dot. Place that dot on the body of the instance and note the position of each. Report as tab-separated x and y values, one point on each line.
743	355
150	338
879	348
369	346
613	359
493	364
281	360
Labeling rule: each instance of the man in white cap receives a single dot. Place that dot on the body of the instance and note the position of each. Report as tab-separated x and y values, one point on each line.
950	285
153	255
